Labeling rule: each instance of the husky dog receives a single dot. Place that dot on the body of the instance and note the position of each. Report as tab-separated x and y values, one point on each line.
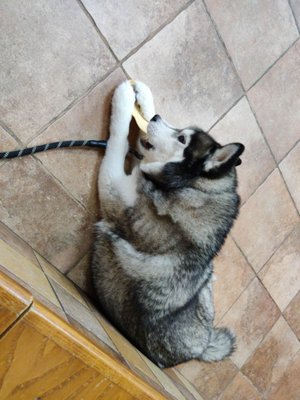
162	226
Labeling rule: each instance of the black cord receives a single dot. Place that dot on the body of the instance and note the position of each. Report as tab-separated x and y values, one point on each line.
60	145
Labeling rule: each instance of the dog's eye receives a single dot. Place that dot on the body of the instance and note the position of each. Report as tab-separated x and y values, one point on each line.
181	139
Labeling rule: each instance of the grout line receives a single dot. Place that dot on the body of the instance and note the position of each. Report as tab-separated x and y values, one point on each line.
13	136
272	154
270	173
10	132
264	336
257	390
231	61
66	190
13	233
293	13
60	184
224	46
75	264
72	104
258	187
273	64
183	378
230	382
93	22
52	287
288	152
290	303
284	317
244	255
277	248
250	281
220	320
125	72
110	71
271	255
256	274
156	31
226	112
261	282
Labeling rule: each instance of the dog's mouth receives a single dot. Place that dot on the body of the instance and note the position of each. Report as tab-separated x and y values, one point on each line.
147	145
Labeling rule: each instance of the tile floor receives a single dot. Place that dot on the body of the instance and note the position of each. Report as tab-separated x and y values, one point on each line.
46	284
230	66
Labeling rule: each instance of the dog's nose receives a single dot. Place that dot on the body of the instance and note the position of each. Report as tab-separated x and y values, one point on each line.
155	118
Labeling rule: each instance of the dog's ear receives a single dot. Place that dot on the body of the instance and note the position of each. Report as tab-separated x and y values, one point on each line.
222	159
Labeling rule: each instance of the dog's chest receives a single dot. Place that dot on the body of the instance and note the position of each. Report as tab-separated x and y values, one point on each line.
153	233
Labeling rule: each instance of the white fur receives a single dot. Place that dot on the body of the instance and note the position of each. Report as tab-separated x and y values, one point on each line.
167	148
145	99
112	178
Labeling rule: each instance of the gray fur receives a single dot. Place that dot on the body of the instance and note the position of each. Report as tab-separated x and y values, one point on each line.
152	262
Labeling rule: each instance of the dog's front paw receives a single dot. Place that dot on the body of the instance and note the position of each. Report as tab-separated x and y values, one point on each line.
144	99
123	100
122	108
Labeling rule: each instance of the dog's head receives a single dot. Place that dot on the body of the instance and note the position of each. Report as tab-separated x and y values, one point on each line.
175	157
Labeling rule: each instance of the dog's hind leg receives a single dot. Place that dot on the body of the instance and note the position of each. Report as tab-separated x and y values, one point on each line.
186	338
189	334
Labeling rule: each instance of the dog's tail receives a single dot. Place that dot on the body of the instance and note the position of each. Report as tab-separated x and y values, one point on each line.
221	345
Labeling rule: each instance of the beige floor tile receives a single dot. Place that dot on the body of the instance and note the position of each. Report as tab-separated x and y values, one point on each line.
179	384
210	379
126	349
271	359
82	276
188	384
296	8
265	220
27	271
17	243
276	102
250	318
292	314
290	168
281	274
288	387
50	55
239	125
58	277
255	33
164	380
233	275
42	213
190	75
240	389
7	143
82	315
78	169
143	18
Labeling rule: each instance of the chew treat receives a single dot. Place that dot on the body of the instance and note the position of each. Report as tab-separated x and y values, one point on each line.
142	123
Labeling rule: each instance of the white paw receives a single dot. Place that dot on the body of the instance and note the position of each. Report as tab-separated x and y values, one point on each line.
144	99
124	98
122	108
